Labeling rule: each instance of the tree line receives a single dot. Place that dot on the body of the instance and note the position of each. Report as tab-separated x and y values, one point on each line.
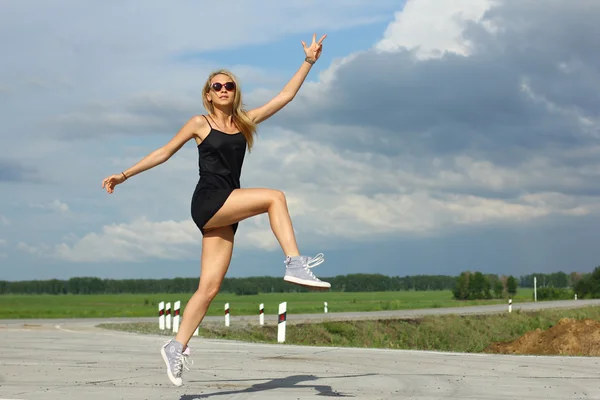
556	280
553	286
468	285
477	286
588	286
240	286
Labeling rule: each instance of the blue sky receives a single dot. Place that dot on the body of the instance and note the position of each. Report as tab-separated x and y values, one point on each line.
430	138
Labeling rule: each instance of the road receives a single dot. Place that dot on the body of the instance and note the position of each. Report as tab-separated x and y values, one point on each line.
73	359
346	316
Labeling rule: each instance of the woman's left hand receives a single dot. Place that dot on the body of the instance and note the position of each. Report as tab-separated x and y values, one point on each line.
315	48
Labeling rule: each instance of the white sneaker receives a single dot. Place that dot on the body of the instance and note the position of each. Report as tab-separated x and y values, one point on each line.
175	360
298	271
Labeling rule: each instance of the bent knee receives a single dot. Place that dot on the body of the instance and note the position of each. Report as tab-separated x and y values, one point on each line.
209	290
278	196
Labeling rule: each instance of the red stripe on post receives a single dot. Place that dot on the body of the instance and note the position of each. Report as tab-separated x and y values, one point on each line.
282	317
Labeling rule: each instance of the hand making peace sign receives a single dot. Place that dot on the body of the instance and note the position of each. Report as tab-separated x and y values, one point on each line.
314	51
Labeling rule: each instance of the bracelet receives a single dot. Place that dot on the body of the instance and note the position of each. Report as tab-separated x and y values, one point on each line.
310	60
124	176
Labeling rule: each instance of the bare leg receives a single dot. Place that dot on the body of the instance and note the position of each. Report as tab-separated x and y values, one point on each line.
217	248
246	203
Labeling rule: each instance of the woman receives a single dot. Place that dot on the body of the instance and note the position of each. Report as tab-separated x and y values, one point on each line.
218	203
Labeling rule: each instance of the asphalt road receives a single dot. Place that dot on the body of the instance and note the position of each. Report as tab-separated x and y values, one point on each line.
344	316
72	359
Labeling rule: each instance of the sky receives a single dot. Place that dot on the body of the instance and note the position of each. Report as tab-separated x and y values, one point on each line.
429	138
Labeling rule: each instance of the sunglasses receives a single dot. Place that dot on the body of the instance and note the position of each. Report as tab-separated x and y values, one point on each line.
217	86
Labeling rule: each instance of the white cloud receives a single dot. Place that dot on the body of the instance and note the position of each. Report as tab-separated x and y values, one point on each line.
351	195
42	250
123	121
3	220
135	242
55	205
2	242
255	233
433	27
141	240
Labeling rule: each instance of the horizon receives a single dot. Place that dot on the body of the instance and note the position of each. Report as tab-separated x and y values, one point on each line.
500	276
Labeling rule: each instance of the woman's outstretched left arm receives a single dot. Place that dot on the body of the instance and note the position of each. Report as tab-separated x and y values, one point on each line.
287	94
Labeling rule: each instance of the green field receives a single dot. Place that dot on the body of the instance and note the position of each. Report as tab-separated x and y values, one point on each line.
146	305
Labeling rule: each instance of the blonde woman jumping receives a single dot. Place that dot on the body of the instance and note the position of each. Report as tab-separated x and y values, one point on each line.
218	203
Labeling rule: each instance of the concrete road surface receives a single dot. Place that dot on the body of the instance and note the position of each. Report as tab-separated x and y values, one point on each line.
49	359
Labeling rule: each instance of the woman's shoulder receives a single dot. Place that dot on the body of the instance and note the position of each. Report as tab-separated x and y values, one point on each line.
199	120
199	126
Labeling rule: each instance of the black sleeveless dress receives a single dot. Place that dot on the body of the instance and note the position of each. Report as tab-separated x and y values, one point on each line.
220	160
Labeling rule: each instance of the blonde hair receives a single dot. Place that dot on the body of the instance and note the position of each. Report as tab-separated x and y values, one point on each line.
240	117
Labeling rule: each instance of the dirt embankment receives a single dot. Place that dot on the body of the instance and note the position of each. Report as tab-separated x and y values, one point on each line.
569	337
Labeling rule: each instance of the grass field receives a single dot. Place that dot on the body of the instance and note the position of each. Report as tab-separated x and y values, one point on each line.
473	333
146	305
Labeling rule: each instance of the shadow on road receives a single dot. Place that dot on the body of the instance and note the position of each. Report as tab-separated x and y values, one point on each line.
290	382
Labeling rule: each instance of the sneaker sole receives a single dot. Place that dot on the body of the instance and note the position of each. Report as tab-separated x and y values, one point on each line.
166	360
304	282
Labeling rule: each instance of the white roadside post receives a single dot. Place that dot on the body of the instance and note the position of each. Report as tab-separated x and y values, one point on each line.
161	315
325	307
261	314
168	317
281	322
509	305
226	314
534	288
176	316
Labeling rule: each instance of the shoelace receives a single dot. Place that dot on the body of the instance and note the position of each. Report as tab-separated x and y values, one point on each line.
317	260
312	262
181	362
187	360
